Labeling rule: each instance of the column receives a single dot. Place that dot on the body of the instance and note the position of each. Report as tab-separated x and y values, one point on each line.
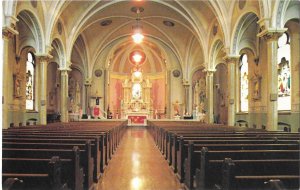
186	87
83	100
271	37
87	90
231	78
43	63
64	94
168	94
210	95
7	34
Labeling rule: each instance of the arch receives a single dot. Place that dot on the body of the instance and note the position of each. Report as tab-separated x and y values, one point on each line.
82	50
31	20
121	39
214	51
280	8
243	23
88	14
59	48
292	12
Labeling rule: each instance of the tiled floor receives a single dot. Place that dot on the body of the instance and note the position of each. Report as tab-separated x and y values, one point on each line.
138	165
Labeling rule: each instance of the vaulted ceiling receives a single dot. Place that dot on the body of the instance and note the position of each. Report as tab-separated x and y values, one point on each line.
175	32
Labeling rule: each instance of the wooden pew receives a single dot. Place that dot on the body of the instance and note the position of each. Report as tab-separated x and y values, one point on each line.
99	154
249	174
95	153
175	142
85	159
207	175
188	166
33	173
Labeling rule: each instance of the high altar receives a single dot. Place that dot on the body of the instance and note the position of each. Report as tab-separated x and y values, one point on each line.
137	103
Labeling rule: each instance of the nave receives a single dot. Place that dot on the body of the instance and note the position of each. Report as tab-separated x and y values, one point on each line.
138	164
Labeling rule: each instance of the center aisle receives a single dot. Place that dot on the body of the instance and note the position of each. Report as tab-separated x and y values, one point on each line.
138	165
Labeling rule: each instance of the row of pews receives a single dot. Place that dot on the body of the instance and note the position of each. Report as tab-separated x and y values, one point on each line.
58	156
229	158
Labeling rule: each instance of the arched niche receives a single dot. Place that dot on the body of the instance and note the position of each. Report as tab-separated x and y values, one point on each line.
220	94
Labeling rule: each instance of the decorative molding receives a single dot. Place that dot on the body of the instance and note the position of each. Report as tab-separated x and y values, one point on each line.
271	34
9	32
209	72
231	58
43	57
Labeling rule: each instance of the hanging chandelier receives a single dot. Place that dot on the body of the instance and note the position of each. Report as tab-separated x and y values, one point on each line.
137	35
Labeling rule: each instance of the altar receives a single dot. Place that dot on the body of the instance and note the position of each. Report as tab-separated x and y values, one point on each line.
137	119
136	105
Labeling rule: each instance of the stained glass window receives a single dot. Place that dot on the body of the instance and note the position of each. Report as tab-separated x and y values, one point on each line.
244	83
284	73
30	82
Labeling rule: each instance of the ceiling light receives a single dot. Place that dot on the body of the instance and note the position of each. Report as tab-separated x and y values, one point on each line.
137	57
137	35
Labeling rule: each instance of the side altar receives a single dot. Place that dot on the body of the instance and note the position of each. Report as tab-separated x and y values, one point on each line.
137	105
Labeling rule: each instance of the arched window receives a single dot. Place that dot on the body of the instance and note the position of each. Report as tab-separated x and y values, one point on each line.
30	82
284	72
244	83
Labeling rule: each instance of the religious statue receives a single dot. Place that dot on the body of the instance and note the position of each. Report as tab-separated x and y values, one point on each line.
77	93
176	108
196	93
256	81
51	98
17	86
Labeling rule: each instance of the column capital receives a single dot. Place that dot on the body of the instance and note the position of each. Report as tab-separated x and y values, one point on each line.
65	70
43	57
8	32
185	82
209	72
88	82
231	58
271	34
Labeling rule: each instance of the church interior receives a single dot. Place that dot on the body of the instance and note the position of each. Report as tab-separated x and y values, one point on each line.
147	94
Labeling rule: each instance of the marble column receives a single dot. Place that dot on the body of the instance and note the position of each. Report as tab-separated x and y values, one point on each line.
232	62
64	94
210	95
271	37
43	63
87	90
186	87
7	34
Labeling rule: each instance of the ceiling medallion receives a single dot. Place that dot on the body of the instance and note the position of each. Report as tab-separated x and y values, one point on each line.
169	23
106	22
98	73
242	4
59	28
176	73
